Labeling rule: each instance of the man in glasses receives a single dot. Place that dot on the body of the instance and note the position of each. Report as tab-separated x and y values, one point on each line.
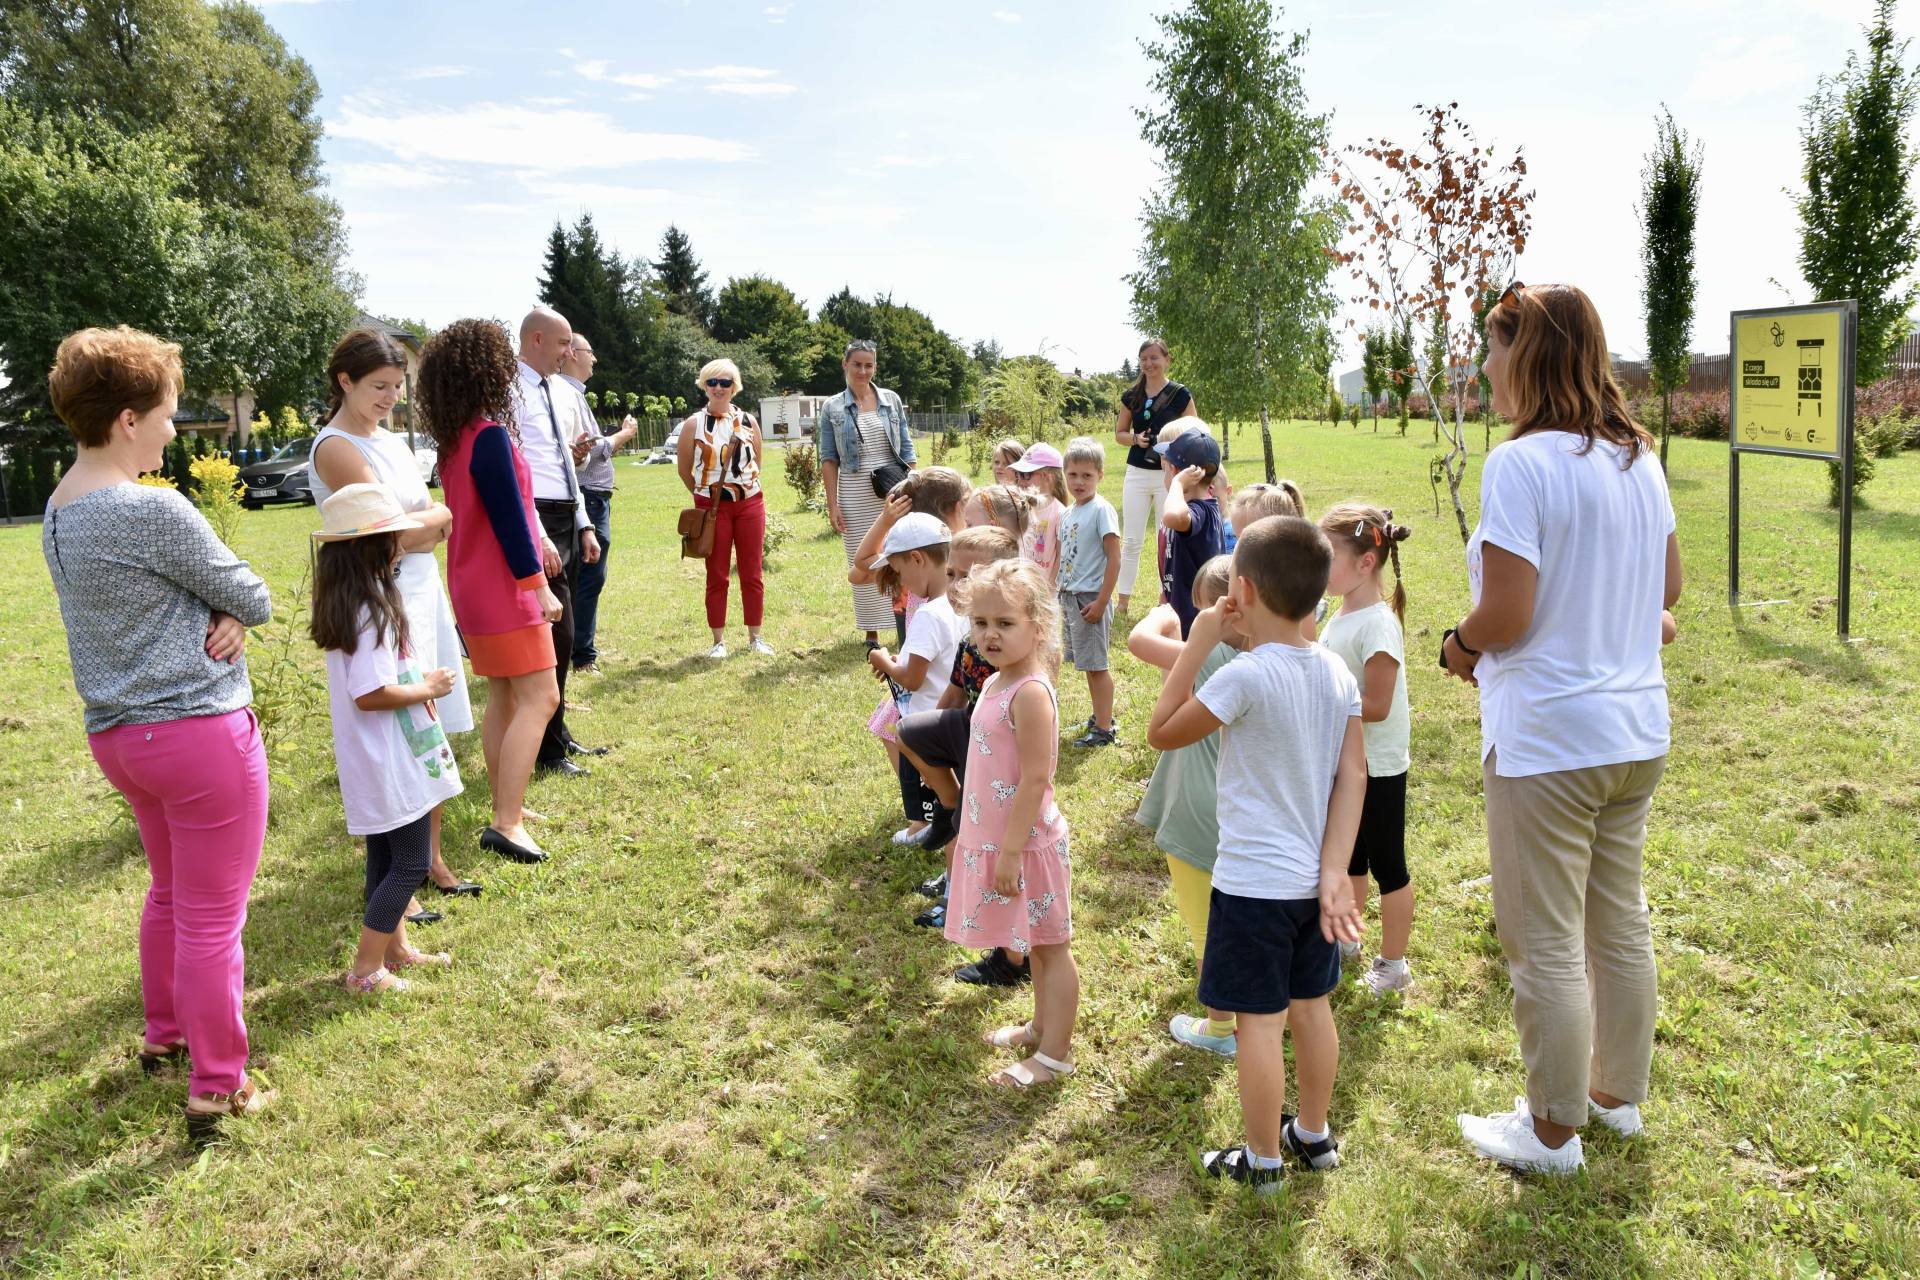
593	460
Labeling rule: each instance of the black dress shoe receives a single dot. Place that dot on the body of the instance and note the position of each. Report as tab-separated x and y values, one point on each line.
993	969
575	749
934	917
936	888
563	766
491	839
425	917
458	889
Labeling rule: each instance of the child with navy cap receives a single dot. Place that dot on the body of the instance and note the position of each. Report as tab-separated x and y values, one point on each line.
1195	528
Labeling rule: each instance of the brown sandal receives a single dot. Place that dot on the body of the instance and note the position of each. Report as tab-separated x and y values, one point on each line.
248	1100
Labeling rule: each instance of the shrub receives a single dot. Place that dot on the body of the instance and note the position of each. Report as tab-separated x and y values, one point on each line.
1353	415
217	494
803	473
1863	468
779	533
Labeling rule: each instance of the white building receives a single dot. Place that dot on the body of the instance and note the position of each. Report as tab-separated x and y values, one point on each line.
789	417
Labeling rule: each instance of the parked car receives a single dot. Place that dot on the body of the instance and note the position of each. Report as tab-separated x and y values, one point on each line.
284	477
427	458
666	454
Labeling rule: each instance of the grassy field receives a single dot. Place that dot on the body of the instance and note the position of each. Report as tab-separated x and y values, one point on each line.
706	1039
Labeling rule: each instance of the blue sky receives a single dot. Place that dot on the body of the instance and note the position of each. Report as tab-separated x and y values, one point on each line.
983	162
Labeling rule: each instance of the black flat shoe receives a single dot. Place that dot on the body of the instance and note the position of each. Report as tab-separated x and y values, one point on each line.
993	969
934	917
575	749
425	917
563	766
493	840
458	889
935	888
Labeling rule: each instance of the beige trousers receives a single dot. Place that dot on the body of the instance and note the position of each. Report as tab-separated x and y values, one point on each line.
1566	853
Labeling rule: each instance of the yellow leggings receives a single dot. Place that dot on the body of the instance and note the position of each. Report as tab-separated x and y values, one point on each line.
1192	890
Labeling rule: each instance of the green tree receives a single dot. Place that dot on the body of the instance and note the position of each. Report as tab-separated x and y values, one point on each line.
1024	396
829	342
986	355
1434	356
607	297
766	312
1858	236
1669	208
681	280
1400	365
1374	356
1489	298
1234	266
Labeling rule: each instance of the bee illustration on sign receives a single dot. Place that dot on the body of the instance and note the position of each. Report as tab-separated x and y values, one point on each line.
1779	334
1812	350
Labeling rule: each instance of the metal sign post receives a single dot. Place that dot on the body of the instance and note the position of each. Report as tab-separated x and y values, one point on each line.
1790	392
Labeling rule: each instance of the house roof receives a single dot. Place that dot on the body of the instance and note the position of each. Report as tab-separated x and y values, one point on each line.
405	337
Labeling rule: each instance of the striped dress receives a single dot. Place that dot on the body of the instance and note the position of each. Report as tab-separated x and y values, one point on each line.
860	506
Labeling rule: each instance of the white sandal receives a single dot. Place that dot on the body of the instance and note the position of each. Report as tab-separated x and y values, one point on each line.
1020	1037
1022	1076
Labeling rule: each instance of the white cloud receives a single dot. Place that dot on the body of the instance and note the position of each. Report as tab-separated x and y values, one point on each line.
549	139
436	73
597	69
1006	15
1737	69
727	72
389	176
752	88
859	217
778	12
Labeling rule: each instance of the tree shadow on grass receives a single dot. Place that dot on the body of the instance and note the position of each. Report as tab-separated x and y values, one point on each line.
1831	658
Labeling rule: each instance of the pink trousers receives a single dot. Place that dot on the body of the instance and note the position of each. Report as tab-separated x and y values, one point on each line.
198	788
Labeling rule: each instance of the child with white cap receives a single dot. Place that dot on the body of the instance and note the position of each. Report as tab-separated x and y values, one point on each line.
394	763
914	556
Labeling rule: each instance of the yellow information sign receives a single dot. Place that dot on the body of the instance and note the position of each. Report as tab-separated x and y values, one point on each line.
1789	381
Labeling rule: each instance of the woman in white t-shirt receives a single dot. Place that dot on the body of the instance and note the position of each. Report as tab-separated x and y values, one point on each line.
1573	562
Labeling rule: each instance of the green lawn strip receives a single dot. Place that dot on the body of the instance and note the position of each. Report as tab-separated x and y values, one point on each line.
706	1038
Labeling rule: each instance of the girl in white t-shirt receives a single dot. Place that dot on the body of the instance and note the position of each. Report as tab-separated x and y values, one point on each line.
394	763
913	557
1365	633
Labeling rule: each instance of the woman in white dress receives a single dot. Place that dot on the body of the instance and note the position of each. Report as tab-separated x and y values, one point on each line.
364	380
859	432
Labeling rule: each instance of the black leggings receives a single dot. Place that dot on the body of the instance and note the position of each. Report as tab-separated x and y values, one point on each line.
397	863
1381	845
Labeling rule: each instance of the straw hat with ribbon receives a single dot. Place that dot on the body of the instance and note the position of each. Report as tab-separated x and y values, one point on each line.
361	510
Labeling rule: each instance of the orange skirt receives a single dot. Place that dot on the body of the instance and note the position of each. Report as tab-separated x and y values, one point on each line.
511	653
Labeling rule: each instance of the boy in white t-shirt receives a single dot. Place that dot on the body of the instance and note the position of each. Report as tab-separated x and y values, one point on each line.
1292	777
914	556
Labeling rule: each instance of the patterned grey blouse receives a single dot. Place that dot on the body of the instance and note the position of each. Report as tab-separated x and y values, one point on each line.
139	573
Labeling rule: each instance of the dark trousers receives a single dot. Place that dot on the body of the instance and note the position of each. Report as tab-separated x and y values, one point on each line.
586	591
556	518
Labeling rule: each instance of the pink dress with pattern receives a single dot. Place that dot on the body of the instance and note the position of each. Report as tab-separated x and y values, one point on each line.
1038	913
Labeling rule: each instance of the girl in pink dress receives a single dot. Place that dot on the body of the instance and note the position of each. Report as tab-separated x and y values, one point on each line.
1011	873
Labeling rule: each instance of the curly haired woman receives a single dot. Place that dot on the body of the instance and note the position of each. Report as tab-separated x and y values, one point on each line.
500	593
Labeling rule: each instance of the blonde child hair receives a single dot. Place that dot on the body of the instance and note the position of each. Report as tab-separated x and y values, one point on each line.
1212	581
1085	449
1258	501
1008	507
1022	584
990	544
1364	529
1006	452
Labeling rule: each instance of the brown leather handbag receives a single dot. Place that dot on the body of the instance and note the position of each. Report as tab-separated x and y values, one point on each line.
696	532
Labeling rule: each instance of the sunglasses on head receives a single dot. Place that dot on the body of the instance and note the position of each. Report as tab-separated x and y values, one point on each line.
719	382
1510	294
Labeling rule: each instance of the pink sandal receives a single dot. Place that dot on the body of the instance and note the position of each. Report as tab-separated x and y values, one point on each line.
375	983
413	957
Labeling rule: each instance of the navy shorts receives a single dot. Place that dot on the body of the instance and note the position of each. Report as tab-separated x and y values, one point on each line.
1265	953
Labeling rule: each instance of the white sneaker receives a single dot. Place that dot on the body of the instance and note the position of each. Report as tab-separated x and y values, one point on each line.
1508	1138
1348	950
718	652
1190	1029
1623	1119
761	647
1384	976
908	835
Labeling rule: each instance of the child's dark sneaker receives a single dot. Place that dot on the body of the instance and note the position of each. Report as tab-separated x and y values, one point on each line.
941	830
935	888
1098	737
1321	1155
993	969
1237	1165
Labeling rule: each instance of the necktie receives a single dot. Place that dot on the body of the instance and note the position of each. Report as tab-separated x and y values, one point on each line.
553	425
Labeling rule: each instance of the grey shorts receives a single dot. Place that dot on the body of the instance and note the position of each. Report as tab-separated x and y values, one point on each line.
1083	643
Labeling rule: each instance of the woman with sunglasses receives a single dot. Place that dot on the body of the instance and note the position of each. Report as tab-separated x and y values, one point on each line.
1148	405
719	455
1572	563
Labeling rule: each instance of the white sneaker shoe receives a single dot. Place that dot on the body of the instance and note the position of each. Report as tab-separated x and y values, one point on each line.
761	647
1509	1139
1348	950
1623	1119
718	652
1383	977
908	835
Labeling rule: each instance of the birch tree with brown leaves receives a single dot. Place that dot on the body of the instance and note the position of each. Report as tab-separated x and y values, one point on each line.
1432	228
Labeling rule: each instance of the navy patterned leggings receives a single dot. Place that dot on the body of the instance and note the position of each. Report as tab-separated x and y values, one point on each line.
397	863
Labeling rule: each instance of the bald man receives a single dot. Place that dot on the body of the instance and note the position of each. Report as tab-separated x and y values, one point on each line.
568	536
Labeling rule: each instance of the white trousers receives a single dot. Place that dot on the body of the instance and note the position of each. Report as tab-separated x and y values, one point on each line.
1139	510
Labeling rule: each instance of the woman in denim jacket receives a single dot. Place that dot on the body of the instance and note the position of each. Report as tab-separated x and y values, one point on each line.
858	431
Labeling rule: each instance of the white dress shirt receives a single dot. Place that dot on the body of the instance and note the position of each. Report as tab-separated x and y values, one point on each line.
548	458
